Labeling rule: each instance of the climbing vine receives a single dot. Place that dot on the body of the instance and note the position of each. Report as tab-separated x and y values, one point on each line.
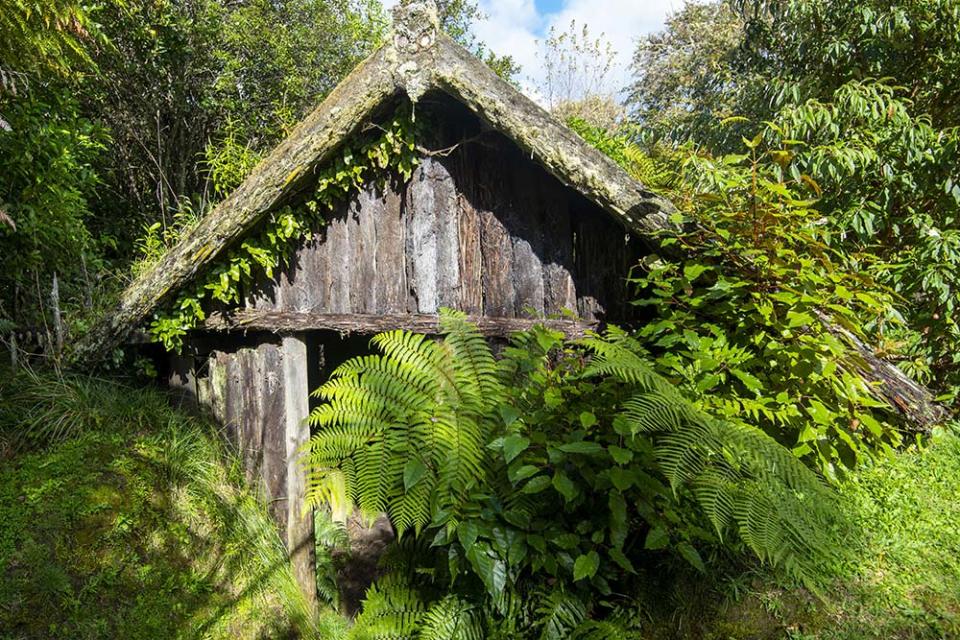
384	148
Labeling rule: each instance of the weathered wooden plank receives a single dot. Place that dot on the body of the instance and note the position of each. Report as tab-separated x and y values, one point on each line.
273	470
448	233
365	211
522	216
294	286
300	544
471	258
262	294
339	261
496	247
559	290
391	276
421	245
250	416
232	400
279	321
313	275
591	254
217	384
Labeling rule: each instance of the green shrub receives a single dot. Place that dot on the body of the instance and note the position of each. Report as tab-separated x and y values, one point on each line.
528	493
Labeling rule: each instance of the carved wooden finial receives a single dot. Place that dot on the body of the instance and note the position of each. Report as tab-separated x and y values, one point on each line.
415	25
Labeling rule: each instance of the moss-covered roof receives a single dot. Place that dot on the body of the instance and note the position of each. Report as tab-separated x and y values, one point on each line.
417	57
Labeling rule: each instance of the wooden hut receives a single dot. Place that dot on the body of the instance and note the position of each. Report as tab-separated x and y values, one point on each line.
509	216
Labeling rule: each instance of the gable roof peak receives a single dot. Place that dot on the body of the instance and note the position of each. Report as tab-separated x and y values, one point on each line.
415	26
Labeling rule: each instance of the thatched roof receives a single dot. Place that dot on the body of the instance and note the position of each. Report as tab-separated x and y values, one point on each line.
418	57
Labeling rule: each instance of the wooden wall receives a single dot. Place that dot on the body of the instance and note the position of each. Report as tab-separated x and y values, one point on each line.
478	227
483	230
258	389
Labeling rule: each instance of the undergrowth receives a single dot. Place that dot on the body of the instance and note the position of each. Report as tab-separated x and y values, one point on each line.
121	517
902	580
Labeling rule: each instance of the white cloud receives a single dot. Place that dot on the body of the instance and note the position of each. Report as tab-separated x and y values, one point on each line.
513	27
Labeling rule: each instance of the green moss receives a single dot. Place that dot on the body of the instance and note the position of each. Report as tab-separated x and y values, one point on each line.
139	529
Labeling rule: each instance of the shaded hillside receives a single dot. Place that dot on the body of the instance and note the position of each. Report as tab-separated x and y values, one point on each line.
136	524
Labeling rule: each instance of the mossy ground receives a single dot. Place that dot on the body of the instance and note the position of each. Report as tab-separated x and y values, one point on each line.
136	524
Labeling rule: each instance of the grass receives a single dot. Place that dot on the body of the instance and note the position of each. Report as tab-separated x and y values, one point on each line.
120	517
902	579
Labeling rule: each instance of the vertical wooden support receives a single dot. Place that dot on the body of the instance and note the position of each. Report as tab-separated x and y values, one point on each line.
57	320
300	543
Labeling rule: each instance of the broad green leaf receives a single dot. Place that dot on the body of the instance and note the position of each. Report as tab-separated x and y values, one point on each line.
693	271
622	479
513	446
537	484
586	565
586	448
692	556
795	319
522	473
618	519
565	486
467	534
749	380
657	538
620	456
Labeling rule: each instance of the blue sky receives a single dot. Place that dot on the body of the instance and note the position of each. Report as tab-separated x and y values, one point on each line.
514	26
549	6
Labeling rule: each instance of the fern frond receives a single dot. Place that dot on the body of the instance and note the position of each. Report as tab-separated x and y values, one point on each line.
451	619
392	610
477	372
413	421
558	613
744	481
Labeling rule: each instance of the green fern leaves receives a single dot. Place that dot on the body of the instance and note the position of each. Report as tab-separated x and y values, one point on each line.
404	431
743	480
536	484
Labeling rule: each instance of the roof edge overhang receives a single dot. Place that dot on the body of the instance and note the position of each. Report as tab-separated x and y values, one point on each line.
418	57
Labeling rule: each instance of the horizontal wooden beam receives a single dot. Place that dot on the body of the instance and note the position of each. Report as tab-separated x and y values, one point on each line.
360	323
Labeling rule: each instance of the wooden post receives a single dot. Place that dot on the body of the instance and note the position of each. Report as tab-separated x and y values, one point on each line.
300	541
14	351
57	320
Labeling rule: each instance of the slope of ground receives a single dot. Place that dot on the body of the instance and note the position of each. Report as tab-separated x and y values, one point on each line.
120	518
